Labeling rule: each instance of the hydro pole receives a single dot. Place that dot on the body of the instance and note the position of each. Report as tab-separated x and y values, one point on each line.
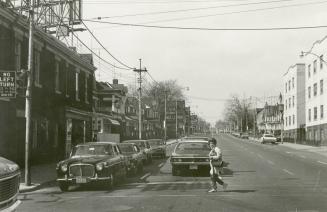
139	71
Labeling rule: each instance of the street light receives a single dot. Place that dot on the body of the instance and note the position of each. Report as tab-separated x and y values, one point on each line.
303	54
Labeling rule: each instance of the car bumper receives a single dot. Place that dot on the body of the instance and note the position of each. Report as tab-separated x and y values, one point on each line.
190	163
88	179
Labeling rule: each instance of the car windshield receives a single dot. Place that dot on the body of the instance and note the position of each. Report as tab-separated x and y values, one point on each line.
156	142
192	148
85	150
269	136
125	148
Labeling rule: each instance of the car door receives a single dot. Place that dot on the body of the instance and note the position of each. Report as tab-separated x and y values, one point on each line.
121	161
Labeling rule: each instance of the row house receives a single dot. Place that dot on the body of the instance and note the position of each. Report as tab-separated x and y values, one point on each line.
315	94
62	91
294	104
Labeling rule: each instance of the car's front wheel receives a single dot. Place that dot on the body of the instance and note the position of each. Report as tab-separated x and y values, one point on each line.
63	186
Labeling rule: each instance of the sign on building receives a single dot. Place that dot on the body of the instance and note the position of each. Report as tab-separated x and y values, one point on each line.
8	84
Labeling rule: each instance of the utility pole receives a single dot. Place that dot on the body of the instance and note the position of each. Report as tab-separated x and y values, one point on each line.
139	71
176	122
165	119
28	99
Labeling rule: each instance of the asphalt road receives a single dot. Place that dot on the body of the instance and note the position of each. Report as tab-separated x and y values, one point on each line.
261	177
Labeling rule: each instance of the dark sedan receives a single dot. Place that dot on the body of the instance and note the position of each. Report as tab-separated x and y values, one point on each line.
190	155
145	148
158	147
134	155
92	162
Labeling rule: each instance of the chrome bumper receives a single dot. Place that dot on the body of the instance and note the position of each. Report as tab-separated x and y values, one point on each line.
89	179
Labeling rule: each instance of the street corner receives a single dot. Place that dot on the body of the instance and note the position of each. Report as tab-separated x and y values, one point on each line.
33	187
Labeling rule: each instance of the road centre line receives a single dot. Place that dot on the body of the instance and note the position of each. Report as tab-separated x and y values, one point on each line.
325	163
270	162
145	176
288	172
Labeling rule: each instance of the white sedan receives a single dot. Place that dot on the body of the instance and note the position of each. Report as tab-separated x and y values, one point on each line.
268	138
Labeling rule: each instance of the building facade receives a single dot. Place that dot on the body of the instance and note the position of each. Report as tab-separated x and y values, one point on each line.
315	94
294	104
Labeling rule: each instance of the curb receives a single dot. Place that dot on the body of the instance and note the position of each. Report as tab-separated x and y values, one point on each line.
35	186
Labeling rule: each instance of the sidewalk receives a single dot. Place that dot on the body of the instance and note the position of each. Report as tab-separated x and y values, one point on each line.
41	175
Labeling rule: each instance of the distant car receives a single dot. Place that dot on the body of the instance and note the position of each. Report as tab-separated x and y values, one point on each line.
195	138
9	185
92	162
158	147
268	138
244	136
190	155
134	155
145	148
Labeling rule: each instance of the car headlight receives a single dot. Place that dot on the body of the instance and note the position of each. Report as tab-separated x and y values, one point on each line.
99	166
64	167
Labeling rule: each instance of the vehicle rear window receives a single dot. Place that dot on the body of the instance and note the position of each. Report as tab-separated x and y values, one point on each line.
92	150
126	148
191	148
156	142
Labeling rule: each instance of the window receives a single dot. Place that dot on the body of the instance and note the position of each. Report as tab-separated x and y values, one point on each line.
293	119
309	70
293	101
321	87
314	66
289	85
315	112
289	120
57	81
76	86
321	111
286	104
37	68
321	61
289	102
286	121
285	87
292	82
309	114
309	92
315	89
86	88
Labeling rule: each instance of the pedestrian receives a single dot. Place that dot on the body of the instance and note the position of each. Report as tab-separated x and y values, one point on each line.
216	165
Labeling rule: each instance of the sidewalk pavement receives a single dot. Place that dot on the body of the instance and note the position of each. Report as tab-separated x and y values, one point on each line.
41	175
322	150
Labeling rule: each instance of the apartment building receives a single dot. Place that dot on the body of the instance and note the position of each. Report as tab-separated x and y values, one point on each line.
315	95
294	103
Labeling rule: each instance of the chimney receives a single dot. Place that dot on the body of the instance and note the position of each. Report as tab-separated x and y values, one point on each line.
115	81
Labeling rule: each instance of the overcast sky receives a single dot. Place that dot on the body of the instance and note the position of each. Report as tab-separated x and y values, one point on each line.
213	64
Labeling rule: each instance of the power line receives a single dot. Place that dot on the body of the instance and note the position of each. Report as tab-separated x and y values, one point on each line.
192	9
211	29
218	14
159	2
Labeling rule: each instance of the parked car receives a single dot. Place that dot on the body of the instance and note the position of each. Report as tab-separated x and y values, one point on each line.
195	138
134	155
268	138
100	162
244	136
145	148
158	147
9	185
190	155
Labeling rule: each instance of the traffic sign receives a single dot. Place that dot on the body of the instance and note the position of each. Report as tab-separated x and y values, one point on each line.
7	84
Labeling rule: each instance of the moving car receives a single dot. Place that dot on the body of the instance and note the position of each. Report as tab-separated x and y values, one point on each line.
92	162
190	155
9	185
134	155
268	138
158	147
145	148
